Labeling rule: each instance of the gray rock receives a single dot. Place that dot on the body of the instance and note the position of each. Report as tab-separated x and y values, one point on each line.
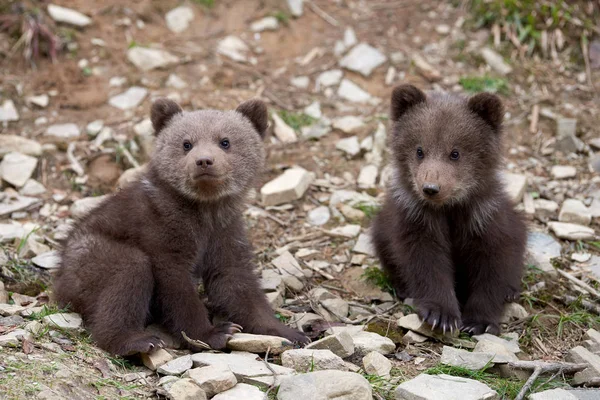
363	59
580	354
213	379
293	283
41	101
287	265
366	342
258	343
367	178
553	394
563	172
350	146
156	358
147	59
233	47
512	312
17	168
67	321
351	198
49	260
13	320
564	230
566	138
350	91
375	363
495	61
176	82
340	344
271	281
8	111
316	130
515	185
6	310
484	346
176	367
242	391
13	204
12	338
178	19
68	16
131	98
83	206
347	231
283	131
575	211
296	7
63	131
10	232
245	366
325	385
319	216
289	186
308	360
186	389
265	24
275	299
465	359
435	387
314	110
348	124
545	208
364	245
301	82
350	37
18	144
329	78
413	337
94	127
541	249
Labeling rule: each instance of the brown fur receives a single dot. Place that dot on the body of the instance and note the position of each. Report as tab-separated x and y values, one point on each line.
447	234
137	258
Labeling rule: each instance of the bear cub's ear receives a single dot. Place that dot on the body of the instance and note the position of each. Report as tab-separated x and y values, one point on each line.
256	111
162	112
403	98
489	107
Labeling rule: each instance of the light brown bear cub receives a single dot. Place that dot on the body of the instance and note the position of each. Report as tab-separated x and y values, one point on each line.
138	257
448	234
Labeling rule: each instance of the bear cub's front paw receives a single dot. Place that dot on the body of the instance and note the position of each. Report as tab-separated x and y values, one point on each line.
220	334
442	317
477	327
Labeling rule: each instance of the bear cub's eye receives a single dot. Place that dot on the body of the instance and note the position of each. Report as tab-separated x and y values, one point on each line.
225	143
187	146
420	153
454	155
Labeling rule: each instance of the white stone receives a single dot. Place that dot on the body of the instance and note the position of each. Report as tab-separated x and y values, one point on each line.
17	203
18	144
363	58
185	389
283	131
367	178
574	211
375	363
296	7
347	231
258	343
350	37
287	265
350	146
443	29
436	387
554	394
83	206
178	19
317	130
350	91
213	379
495	61
10	232
117	81
390	76
94	127
329	78
565	230
465	359
348	124
7	310
146	59
49	260
63	131
242	391
545	207
325	385
512	346
340	344
366	342
265	24
563	172
319	216
156	358
515	186
17	168
364	245
425	68
12	338
301	82
581	257
131	98
541	249
68	16
41	100
176	367
580	354
289	186
308	360
234	48
513	311
69	321
176	82
313	110
8	111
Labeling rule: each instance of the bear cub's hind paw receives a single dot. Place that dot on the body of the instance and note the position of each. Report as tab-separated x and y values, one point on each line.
220	334
472	327
141	344
439	317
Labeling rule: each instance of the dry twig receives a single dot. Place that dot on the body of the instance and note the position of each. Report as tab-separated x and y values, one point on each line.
539	368
580	283
326	17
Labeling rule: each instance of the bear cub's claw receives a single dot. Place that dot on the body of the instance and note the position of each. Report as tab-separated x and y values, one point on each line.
439	317
478	327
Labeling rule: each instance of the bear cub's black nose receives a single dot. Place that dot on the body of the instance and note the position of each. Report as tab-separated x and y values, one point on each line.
205	162
431	189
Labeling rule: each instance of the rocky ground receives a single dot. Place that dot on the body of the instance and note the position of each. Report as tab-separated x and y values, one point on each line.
74	130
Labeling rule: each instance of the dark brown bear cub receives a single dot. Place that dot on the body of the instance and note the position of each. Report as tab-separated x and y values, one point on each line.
138	257
448	235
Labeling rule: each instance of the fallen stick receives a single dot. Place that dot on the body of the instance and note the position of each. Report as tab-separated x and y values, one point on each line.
326	17
540	368
75	165
580	283
568	300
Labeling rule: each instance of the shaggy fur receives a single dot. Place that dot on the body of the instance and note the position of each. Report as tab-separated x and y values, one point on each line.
448	235
138	257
